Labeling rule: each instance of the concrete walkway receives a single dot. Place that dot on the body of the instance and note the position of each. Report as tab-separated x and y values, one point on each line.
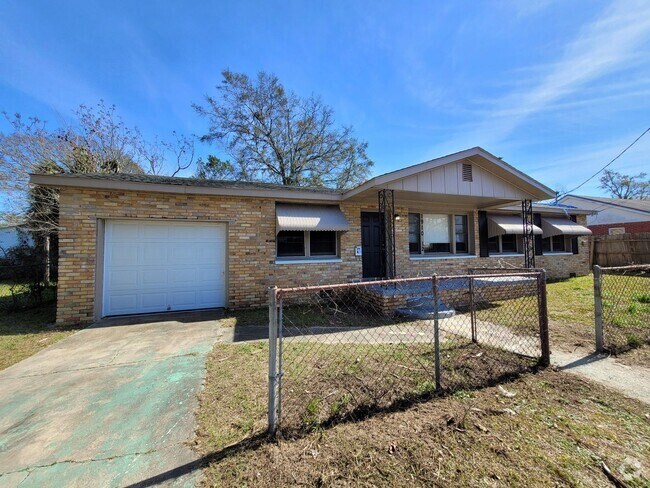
112	405
632	381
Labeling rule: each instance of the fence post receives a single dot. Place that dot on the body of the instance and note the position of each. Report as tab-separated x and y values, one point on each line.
543	318
436	334
273	345
472	306
598	308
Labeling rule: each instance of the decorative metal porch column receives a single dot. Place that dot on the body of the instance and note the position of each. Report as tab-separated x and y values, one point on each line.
387	234
529	236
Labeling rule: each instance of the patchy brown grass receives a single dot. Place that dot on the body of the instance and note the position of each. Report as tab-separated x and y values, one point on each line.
24	333
555	431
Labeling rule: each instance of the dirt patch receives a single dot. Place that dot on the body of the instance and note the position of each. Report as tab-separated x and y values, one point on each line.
545	429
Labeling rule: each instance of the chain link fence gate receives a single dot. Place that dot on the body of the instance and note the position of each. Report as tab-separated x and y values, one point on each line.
340	351
622	307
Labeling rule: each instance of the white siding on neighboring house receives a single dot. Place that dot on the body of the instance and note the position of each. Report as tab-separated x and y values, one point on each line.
606	213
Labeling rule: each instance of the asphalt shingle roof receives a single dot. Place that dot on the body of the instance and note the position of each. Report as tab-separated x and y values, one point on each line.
199	182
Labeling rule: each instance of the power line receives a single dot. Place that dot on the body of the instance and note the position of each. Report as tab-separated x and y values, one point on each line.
605	167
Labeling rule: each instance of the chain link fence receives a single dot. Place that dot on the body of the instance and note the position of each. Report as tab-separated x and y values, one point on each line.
341	351
622	307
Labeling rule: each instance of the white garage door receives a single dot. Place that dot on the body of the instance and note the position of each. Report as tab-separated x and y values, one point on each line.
152	266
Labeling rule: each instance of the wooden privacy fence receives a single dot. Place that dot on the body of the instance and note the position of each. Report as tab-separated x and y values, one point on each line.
620	250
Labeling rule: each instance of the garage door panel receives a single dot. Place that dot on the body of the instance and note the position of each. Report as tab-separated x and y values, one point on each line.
121	254
124	231
160	266
121	278
153	276
154	301
152	253
155	232
183	275
209	275
123	303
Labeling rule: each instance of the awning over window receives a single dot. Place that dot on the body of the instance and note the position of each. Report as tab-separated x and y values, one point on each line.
309	217
507	224
563	227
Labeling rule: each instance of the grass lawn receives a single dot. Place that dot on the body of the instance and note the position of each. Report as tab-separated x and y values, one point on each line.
571	315
556	430
24	333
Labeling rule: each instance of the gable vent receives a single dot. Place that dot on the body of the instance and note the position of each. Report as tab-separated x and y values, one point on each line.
467	172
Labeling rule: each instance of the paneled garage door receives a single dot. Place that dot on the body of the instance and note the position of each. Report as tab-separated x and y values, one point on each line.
152	266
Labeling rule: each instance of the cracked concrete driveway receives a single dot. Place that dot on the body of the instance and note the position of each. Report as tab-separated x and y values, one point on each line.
112	405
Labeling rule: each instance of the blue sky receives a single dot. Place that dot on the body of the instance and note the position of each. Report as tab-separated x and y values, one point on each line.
556	88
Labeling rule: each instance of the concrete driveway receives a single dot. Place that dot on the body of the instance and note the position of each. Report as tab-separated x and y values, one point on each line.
112	405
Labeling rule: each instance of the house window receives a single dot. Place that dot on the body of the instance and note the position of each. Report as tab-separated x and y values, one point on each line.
554	244
504	243
305	244
291	243
414	233
435	233
322	243
462	235
438	234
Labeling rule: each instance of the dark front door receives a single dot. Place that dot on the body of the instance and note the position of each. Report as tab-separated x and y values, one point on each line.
371	244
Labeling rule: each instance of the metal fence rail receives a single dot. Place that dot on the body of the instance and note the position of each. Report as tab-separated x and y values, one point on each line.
338	351
622	307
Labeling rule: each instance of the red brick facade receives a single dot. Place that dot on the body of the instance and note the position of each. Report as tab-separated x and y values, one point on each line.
630	228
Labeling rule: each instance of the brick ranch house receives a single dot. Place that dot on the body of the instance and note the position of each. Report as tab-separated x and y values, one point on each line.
134	244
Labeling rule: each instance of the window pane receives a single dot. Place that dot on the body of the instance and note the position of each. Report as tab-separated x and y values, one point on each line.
546	244
414	233
493	244
509	243
322	243
291	243
436	233
558	243
462	239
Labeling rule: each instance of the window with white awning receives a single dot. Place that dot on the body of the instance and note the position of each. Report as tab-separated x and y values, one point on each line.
563	227
505	234
508	224
310	218
308	231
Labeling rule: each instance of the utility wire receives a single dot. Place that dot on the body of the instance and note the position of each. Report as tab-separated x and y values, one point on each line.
605	167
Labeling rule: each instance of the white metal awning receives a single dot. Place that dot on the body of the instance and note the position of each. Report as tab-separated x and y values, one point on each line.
507	224
309	217
563	227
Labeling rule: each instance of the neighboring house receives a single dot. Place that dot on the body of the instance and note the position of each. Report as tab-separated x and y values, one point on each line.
138	243
613	215
11	236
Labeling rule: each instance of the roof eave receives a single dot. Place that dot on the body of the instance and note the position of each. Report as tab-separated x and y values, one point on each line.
121	185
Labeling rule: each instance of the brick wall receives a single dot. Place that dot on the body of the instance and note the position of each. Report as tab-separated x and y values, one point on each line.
556	265
251	241
630	228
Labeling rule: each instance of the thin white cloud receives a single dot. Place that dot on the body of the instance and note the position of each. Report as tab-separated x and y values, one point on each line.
607	45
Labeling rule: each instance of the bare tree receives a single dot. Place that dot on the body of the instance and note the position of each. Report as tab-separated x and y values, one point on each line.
626	186
274	135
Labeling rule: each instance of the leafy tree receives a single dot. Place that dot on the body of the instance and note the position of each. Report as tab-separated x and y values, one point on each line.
626	186
272	134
